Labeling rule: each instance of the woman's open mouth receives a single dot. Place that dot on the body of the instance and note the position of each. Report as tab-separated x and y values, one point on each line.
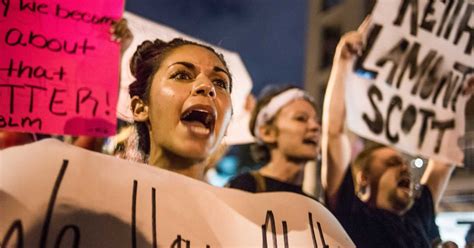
311	141
200	119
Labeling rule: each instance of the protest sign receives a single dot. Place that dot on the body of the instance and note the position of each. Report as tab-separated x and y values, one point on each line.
65	196
59	69
406	89
144	29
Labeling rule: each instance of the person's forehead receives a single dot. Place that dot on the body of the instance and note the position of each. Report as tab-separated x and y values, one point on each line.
299	105
386	153
194	54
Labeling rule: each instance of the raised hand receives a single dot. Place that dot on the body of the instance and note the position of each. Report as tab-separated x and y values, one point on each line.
121	34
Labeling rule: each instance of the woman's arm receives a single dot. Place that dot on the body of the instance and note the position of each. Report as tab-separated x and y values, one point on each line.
336	148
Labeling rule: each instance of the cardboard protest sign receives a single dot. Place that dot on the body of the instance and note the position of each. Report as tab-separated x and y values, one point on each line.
59	70
144	29
64	195
406	89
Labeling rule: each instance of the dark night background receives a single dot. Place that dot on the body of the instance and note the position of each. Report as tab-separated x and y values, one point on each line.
269	35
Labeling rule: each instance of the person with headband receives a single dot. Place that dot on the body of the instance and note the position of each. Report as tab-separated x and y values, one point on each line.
285	123
181	103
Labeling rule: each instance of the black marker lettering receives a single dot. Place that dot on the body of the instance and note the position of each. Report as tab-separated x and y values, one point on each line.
323	241
14	37
431	79
313	235
411	63
6	7
395	56
408	119
464	70
134	213
414	15
442	126
371	38
9	69
54	101
37	72
85	47
15	226
30	122
311	225
82	97
3	122
455	98
427	114
453	19
33	7
107	102
464	27
32	94
12	95
75	232
285	233
395	102
450	83
38	40
178	240
153	216
52	200
40	8
376	125
28	6
445	15
12	124
24	121
269	218
75	15
429	10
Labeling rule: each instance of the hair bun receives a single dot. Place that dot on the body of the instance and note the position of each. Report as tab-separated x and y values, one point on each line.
144	52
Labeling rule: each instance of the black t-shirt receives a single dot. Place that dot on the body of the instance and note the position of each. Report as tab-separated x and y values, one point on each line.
372	227
247	182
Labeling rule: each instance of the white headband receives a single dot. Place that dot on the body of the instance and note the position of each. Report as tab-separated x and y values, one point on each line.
277	102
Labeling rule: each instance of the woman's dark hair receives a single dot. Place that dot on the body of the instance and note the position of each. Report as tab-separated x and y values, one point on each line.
261	152
144	64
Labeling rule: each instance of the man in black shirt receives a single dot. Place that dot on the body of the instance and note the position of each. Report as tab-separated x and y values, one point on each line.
373	196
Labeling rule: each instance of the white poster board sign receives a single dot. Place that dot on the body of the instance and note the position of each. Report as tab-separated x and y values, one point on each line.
406	89
144	29
56	194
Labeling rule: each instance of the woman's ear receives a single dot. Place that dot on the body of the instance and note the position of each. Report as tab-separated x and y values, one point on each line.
268	134
139	109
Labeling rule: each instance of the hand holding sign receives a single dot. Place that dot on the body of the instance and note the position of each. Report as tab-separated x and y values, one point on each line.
59	72
45	203
122	34
353	42
405	89
469	90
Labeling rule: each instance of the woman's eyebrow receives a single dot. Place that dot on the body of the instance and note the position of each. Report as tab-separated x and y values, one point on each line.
301	112
219	69
185	64
192	67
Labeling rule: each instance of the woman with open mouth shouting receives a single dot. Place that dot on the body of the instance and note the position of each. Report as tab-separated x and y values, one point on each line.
181	103
286	125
